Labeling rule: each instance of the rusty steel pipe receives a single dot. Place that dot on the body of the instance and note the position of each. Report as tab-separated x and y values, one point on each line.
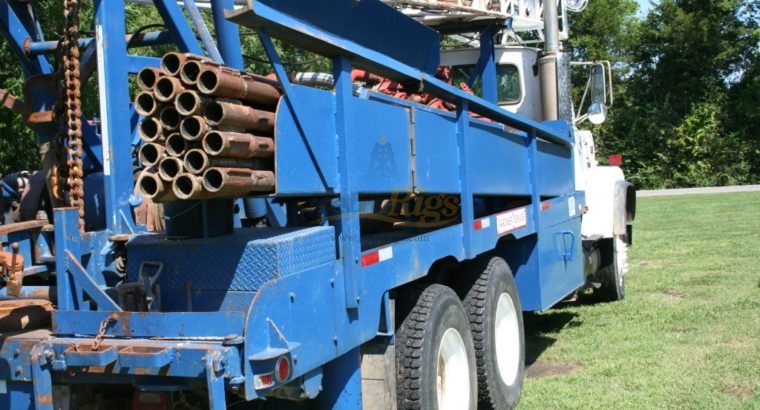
237	181
151	153
193	128
237	145
190	72
150	130
235	117
171	63
147	77
151	186
146	104
169	168
188	186
169	118
218	82
189	102
197	161
176	145
167	88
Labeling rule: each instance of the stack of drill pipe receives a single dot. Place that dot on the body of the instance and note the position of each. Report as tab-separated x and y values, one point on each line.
207	130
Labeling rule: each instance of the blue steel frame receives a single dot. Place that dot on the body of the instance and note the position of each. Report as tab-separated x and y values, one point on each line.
319	316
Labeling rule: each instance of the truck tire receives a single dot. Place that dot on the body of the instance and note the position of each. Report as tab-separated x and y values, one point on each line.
490	297
612	274
435	360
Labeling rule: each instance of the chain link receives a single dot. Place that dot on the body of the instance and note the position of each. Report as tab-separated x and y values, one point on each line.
102	331
72	108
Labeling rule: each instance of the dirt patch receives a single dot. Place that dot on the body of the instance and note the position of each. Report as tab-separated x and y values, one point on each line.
675	294
742	392
541	368
682	330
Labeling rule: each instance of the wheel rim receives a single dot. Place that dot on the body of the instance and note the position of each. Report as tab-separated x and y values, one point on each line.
507	338
453	374
621	261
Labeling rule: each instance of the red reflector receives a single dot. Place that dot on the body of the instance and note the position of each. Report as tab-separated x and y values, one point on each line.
478	225
616	160
370	259
265	380
545	205
282	369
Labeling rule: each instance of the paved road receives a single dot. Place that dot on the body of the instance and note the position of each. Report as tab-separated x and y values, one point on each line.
692	191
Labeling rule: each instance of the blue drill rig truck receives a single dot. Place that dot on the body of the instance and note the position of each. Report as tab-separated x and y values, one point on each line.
365	238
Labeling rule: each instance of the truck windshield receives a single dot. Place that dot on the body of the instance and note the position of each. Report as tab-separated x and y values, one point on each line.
507	82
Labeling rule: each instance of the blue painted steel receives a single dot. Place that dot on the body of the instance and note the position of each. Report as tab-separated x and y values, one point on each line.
227	36
232	305
174	18
67	228
112	67
242	261
19	396
203	33
409	42
153	38
82	356
347	227
17	33
465	175
311	37
43	384
344	392
187	325
486	66
305	159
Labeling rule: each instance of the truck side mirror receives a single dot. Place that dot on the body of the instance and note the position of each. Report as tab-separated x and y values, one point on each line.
597	110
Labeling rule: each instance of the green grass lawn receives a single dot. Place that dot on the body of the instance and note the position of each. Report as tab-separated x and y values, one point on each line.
688	333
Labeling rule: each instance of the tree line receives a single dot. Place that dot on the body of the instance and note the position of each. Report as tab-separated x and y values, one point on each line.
686	83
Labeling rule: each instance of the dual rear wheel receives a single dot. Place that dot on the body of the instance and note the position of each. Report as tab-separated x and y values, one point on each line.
463	349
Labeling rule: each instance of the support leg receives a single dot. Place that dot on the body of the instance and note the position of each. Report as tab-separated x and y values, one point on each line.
342	383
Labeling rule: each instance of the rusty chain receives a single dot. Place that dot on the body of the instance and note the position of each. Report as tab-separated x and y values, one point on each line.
72	109
102	331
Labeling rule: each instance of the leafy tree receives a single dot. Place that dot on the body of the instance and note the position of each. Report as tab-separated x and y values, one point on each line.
685	58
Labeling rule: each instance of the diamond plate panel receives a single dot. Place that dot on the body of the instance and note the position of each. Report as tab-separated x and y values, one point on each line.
242	261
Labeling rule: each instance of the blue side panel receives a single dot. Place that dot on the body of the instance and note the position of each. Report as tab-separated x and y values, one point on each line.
555	169
562	262
436	152
306	154
498	161
208	268
549	266
380	146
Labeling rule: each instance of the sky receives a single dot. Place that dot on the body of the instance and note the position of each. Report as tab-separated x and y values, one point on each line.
644	7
